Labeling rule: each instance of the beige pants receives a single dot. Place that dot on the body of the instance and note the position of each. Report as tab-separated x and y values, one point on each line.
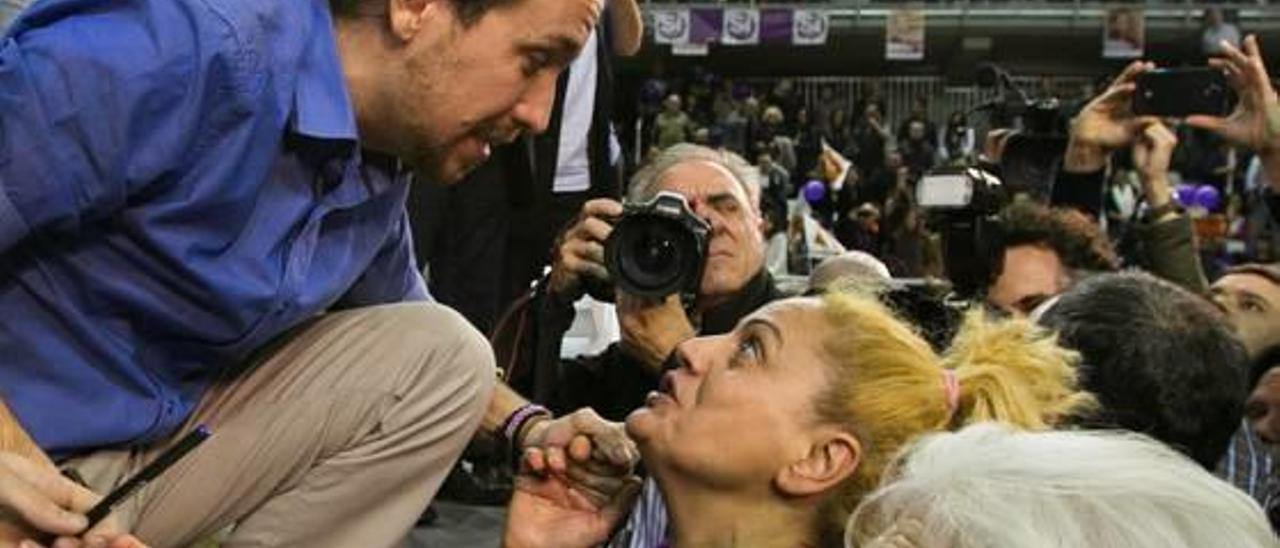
338	437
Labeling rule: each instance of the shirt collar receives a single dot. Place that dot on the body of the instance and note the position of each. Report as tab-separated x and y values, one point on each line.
321	105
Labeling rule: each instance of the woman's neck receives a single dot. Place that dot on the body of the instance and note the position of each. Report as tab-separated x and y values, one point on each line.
703	519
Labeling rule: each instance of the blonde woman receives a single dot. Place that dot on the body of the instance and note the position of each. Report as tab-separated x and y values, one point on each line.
771	434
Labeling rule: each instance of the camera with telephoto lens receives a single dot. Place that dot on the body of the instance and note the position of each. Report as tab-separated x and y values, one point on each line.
964	205
658	248
1033	155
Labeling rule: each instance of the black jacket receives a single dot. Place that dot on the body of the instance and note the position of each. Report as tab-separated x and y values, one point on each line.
612	382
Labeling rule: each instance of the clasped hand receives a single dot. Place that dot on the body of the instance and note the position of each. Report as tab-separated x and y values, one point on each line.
576	483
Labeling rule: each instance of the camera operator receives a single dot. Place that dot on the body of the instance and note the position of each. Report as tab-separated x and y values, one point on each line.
721	188
1046	251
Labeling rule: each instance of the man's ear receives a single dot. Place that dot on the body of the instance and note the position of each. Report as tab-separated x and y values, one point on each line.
407	17
831	460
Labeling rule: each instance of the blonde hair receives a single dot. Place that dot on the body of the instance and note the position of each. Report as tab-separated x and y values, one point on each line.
888	386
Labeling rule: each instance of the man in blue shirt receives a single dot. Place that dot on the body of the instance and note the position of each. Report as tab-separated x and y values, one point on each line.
202	222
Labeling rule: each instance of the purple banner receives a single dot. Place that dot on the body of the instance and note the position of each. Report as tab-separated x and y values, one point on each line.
775	25
705	24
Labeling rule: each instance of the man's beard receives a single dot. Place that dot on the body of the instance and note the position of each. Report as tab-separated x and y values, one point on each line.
447	166
430	164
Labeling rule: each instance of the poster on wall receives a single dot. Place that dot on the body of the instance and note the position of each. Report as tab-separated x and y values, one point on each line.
904	35
1124	34
810	27
741	27
671	26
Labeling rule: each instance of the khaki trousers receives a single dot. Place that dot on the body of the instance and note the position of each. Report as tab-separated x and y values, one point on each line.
338	436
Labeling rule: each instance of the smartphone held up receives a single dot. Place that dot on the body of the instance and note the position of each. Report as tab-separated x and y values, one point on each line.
1183	92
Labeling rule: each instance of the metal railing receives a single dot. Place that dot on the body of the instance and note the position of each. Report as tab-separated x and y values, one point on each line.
899	92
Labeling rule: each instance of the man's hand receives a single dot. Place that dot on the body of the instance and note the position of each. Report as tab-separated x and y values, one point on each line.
1106	123
652	329
580	249
993	144
1151	153
35	501
583	437
1255	123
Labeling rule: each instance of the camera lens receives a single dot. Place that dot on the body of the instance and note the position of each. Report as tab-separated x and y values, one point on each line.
657	248
652	256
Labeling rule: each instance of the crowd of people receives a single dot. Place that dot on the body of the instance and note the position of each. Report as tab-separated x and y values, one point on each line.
203	227
869	203
1096	340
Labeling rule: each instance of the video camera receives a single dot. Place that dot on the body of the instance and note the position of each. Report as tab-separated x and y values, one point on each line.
1032	155
657	248
964	205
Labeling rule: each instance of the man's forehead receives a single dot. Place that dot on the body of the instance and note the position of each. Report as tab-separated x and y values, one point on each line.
1250	282
562	24
700	178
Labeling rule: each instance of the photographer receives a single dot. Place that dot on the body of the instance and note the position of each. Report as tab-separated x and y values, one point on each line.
721	189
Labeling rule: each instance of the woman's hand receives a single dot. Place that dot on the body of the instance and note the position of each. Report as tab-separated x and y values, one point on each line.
578	507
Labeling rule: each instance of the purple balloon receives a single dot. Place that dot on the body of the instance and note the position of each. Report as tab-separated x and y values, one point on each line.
814	190
1185	194
1208	197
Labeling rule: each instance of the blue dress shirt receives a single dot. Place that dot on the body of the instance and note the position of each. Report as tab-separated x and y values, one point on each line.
180	183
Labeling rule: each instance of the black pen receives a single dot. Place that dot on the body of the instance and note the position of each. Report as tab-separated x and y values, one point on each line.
148	473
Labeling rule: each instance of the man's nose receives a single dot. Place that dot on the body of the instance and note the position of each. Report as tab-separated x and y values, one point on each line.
533	109
1267	426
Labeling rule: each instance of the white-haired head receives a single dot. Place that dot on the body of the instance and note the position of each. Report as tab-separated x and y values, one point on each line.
851	269
990	486
644	184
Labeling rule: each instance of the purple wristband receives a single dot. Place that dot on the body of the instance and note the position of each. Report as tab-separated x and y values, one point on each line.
511	427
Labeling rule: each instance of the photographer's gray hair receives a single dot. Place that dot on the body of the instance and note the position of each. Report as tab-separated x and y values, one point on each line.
644	184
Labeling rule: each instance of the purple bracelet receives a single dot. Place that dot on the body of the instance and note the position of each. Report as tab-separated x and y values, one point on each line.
511	427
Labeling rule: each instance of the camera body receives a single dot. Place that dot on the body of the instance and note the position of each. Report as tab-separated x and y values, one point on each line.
1031	156
964	205
658	248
